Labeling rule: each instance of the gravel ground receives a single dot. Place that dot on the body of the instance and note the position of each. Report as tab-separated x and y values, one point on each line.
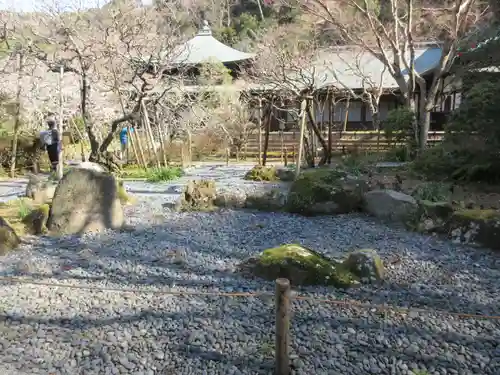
48	330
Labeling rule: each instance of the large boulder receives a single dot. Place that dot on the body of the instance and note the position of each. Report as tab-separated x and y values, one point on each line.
90	166
324	191
85	200
475	227
40	189
9	240
390	204
271	200
300	265
234	198
199	195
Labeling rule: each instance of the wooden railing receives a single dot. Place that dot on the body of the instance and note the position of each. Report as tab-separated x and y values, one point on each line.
348	141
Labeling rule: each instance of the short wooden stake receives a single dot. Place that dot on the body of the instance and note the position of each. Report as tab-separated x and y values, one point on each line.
282	295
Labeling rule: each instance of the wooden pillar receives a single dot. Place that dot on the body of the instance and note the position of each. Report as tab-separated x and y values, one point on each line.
282	345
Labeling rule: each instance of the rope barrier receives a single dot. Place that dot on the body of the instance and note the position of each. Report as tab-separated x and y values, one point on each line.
343	303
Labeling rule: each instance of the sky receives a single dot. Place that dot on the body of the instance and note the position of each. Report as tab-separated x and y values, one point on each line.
41	5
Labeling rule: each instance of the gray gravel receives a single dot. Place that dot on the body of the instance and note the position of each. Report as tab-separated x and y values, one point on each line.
46	330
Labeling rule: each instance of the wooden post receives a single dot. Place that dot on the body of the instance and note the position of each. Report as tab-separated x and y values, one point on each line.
282	344
60	165
282	146
139	146
149	134
132	143
260	131
303	106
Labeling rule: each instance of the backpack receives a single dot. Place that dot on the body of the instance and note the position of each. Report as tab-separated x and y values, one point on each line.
47	137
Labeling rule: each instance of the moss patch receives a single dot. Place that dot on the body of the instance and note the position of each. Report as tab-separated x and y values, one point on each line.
261	173
9	239
317	186
125	198
477	227
477	214
302	266
14	211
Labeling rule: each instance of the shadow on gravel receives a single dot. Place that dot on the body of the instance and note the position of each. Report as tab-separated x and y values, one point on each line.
215	246
182	335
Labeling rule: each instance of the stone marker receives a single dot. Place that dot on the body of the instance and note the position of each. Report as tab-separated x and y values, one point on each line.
84	201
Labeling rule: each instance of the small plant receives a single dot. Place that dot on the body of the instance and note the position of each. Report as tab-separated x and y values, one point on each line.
398	154
432	191
164	174
355	164
153	174
23	209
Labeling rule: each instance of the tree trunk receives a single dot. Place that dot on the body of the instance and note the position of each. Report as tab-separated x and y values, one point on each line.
260	131
266	136
318	135
149	134
424	127
190	147
84	99
60	165
303	106
17	114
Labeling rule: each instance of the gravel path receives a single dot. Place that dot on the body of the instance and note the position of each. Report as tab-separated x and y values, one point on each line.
46	330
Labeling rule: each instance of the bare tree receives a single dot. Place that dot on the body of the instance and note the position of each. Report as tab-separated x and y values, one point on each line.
117	50
393	39
364	85
287	66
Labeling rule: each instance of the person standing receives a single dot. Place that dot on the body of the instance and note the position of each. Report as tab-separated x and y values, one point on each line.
51	142
124	142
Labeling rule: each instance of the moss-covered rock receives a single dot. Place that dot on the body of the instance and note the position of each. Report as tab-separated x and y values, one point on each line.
300	265
9	239
36	221
261	173
476	227
197	196
365	264
325	191
432	216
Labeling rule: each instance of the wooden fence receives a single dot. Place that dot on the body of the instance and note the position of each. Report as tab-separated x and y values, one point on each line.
348	141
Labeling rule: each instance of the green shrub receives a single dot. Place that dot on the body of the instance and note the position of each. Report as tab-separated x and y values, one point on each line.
470	150
164	174
398	126
432	192
398	154
153	174
354	164
261	173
